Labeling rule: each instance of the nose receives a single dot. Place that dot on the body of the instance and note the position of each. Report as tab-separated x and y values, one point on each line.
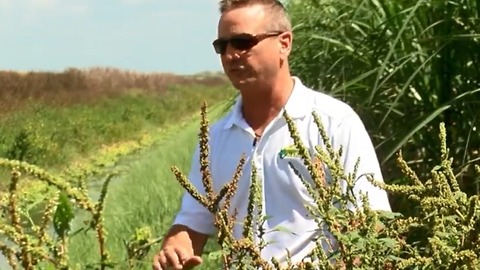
230	53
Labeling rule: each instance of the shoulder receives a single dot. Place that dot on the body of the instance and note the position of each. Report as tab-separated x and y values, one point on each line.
343	125
329	108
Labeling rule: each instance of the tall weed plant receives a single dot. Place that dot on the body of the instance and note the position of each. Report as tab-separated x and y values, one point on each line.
361	238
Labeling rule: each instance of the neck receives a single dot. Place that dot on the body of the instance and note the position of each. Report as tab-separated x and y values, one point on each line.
263	103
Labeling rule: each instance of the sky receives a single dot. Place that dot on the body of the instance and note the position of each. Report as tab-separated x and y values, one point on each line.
141	35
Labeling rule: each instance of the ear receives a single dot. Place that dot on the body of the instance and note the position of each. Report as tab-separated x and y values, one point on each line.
285	40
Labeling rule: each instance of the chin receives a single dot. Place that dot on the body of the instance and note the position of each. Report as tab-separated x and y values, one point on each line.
242	79
242	83
239	85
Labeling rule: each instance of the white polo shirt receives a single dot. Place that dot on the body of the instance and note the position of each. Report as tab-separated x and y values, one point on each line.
284	195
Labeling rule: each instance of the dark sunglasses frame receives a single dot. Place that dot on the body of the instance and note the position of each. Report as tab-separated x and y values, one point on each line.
241	42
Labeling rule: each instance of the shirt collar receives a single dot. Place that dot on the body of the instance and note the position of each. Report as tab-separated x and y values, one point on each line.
296	106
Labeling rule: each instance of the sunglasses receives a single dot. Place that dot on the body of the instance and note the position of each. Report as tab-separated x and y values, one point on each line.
241	42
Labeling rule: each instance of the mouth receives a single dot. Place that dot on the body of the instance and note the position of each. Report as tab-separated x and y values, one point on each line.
237	69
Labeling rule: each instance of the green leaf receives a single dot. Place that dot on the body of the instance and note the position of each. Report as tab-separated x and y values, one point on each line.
353	236
389	215
283	229
215	255
63	215
388	242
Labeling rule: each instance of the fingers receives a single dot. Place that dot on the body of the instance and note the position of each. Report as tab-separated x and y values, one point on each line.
174	258
182	255
166	259
156	262
192	262
160	261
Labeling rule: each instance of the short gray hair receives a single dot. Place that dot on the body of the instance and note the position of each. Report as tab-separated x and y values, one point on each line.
279	19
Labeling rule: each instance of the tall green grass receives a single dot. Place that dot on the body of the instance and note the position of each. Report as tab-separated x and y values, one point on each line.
405	66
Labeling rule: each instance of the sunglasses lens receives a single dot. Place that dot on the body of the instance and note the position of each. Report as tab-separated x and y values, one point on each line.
243	43
220	46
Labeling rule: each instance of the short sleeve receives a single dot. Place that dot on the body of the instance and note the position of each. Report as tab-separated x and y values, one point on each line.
353	136
193	214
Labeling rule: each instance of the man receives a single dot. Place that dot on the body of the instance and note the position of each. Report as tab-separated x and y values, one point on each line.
254	42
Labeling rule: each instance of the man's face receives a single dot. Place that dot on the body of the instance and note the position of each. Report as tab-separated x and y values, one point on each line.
244	64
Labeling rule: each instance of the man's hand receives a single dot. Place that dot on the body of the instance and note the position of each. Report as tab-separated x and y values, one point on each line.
180	250
175	258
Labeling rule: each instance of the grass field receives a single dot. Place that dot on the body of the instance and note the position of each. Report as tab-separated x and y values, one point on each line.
61	129
147	195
